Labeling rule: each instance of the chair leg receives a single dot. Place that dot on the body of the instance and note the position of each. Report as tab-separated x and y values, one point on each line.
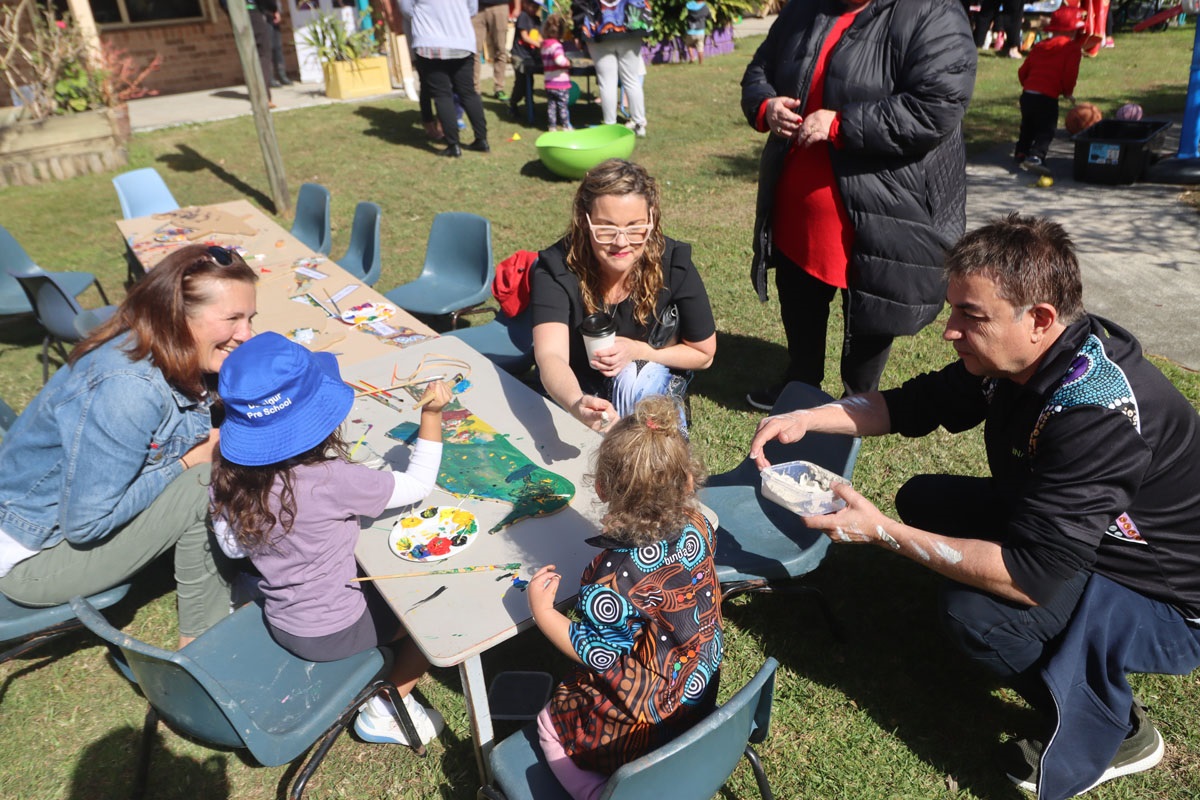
40	638
149	729
100	289
402	717
46	360
760	776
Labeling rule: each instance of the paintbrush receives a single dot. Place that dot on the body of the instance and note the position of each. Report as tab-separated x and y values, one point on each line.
333	303
361	439
372	395
453	571
459	381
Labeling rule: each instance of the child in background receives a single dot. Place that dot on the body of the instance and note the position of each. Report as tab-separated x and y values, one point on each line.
526	50
1050	70
285	494
649	642
556	67
696	29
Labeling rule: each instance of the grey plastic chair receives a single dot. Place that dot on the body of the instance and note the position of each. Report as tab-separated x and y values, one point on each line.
694	766
59	315
15	261
142	192
235	687
22	628
761	546
362	259
458	270
311	224
7	418
505	341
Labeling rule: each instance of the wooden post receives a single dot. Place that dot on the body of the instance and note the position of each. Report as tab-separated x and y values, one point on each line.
81	10
243	36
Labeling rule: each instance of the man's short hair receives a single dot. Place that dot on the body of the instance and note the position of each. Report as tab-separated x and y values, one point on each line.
1031	260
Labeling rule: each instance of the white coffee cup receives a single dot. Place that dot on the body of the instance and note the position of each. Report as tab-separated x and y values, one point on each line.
599	332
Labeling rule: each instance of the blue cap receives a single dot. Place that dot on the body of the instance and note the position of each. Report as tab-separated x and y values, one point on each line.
280	400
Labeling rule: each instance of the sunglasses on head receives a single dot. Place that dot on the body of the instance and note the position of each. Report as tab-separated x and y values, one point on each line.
220	255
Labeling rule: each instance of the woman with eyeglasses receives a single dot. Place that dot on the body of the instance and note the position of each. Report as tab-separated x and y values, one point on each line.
615	259
108	467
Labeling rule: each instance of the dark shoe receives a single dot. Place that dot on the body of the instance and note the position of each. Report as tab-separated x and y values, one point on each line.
1141	750
452	151
764	399
480	146
276	84
286	81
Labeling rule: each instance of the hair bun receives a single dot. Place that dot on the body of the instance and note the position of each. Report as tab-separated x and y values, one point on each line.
659	414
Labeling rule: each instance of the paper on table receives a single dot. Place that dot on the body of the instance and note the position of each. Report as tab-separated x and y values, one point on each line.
345	290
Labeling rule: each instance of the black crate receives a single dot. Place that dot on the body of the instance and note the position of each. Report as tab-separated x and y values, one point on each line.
1117	151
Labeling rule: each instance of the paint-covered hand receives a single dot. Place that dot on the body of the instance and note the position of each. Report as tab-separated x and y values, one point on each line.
611	360
542	588
595	412
435	397
860	522
787	428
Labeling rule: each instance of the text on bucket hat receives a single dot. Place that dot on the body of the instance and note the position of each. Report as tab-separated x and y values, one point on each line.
280	400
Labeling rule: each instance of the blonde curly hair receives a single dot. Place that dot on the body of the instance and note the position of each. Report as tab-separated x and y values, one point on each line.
646	473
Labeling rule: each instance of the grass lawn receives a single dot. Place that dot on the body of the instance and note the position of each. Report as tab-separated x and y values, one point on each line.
890	712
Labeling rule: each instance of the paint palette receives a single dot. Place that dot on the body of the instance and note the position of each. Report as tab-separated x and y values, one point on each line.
368	313
433	534
802	488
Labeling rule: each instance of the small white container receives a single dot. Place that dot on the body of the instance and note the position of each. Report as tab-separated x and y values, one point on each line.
802	488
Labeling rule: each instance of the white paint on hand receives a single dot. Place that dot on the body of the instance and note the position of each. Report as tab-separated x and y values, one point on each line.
887	537
948	553
856	402
921	551
841	534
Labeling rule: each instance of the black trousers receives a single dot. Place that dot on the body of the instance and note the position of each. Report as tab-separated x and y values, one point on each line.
261	26
804	309
1007	15
1010	640
1039	118
445	78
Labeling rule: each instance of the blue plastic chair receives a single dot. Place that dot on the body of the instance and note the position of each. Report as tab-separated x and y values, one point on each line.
311	224
235	687
458	270
15	261
694	766
7	418
761	546
59	315
505	341
143	192
27	627
362	259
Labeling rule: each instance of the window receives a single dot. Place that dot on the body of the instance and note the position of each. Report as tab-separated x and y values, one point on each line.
111	13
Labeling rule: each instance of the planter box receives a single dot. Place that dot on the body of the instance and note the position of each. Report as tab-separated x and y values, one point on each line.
58	148
673	51
362	78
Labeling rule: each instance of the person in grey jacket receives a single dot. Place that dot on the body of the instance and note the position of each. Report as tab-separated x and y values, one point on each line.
108	467
862	183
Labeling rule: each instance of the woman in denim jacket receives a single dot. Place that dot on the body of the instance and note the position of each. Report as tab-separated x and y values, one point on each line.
108	466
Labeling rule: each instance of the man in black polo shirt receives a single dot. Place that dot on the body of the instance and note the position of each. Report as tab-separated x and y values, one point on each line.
1095	471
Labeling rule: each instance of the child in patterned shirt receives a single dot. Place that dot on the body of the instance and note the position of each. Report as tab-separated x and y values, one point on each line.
648	644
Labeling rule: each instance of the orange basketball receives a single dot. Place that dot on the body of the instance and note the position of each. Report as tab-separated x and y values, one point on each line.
1081	117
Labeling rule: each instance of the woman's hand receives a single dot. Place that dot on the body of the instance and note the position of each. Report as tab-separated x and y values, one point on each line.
611	360
595	412
782	118
203	452
543	587
436	396
815	127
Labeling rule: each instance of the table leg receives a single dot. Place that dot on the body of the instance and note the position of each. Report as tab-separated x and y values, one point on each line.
480	714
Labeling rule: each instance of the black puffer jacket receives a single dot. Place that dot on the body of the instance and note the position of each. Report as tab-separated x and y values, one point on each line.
901	77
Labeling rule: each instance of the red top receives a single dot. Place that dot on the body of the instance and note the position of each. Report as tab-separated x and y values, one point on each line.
810	225
1052	67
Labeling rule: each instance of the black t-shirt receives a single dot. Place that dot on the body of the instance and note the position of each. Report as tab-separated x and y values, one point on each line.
555	296
1096	460
525	22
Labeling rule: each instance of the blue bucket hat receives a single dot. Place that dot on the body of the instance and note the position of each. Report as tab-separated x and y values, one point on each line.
280	400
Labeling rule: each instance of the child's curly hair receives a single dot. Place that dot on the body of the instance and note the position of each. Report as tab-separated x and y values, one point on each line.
646	473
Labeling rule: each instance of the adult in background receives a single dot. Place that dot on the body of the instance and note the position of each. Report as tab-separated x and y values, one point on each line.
612	31
1078	560
491	31
108	466
862	182
615	259
1002	17
443	41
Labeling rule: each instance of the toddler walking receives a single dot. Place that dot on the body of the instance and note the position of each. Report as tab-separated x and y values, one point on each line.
1050	70
648	643
556	68
285	494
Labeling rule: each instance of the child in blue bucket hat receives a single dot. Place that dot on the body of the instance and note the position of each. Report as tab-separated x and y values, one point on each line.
286	495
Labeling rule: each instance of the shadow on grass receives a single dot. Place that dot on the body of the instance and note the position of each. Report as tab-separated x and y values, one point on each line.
740	165
97	774
893	665
396	126
190	160
746	363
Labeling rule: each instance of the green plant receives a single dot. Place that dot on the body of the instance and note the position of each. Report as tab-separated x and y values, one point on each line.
670	16
328	37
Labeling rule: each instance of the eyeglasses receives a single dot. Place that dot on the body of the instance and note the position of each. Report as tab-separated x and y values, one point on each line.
607	234
220	255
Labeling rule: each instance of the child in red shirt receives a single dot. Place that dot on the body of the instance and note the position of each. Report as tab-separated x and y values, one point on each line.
1050	70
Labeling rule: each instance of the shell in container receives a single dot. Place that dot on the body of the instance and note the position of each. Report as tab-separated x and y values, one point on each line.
802	488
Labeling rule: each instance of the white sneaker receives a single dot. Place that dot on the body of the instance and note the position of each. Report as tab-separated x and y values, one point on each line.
639	130
384	729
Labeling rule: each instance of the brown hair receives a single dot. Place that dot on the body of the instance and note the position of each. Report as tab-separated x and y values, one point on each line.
242	494
647	474
616	177
553	27
1031	260
156	310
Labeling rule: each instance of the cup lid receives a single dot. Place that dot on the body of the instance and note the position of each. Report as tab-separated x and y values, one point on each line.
598	324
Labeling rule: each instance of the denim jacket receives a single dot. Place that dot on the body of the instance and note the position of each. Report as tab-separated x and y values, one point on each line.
94	449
